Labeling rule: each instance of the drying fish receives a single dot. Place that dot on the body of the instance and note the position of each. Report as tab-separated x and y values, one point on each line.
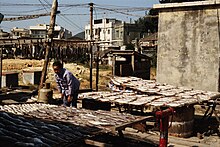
125	100
12	134
7	139
54	137
22	144
144	100
54	127
47	141
98	123
63	136
6	122
12	128
2	133
27	132
31	132
202	97
158	104
2	125
167	93
35	140
37	130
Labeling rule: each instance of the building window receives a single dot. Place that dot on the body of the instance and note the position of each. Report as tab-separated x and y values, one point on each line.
88	32
117	33
98	21
96	31
121	34
108	31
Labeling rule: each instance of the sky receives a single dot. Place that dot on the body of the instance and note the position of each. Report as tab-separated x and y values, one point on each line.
74	14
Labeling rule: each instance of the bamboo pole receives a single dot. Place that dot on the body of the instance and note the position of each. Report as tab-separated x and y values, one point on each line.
91	38
49	42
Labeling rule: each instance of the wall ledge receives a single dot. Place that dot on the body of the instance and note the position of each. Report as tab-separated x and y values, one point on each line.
187	4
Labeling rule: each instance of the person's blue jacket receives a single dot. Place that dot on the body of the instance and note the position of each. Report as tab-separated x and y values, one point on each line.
67	83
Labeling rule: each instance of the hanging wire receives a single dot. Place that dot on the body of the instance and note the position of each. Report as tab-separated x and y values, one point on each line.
43	6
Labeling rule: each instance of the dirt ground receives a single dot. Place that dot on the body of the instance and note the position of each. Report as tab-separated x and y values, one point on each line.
81	72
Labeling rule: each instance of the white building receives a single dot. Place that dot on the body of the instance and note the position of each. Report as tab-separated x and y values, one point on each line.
40	31
112	33
20	33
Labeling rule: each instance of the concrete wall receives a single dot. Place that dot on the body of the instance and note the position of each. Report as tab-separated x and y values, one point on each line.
188	45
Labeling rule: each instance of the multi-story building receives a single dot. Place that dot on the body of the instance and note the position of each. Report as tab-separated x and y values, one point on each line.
4	34
112	33
40	31
19	33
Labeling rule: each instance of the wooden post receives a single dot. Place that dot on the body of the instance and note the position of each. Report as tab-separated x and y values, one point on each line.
133	62
97	68
113	65
1	67
49	42
91	38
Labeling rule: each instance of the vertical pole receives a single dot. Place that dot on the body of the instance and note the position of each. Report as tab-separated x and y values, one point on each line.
113	65
97	69
1	67
132	63
91	38
163	117
49	42
164	131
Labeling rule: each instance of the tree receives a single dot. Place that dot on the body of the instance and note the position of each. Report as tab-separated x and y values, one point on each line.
130	47
149	23
1	17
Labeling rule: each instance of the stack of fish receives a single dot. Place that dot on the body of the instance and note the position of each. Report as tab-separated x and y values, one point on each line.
21	131
21	109
94	121
150	93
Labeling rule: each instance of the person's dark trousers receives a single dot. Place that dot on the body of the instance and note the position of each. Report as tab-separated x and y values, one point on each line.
74	99
73	103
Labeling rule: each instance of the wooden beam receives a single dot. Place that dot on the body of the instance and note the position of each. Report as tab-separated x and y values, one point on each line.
97	143
49	43
20	41
130	124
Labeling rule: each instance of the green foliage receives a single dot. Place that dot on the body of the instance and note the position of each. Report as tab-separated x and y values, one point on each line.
154	59
83	59
149	24
129	47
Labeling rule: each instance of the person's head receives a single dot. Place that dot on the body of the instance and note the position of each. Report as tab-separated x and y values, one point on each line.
57	67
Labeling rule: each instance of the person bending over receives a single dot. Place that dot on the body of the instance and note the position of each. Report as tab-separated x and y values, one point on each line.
67	84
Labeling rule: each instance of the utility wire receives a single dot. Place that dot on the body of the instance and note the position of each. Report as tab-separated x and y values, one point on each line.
18	12
33	5
119	12
43	5
47	2
65	18
70	21
125	8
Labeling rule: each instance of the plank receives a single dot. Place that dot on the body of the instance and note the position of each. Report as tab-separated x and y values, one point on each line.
130	124
97	143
